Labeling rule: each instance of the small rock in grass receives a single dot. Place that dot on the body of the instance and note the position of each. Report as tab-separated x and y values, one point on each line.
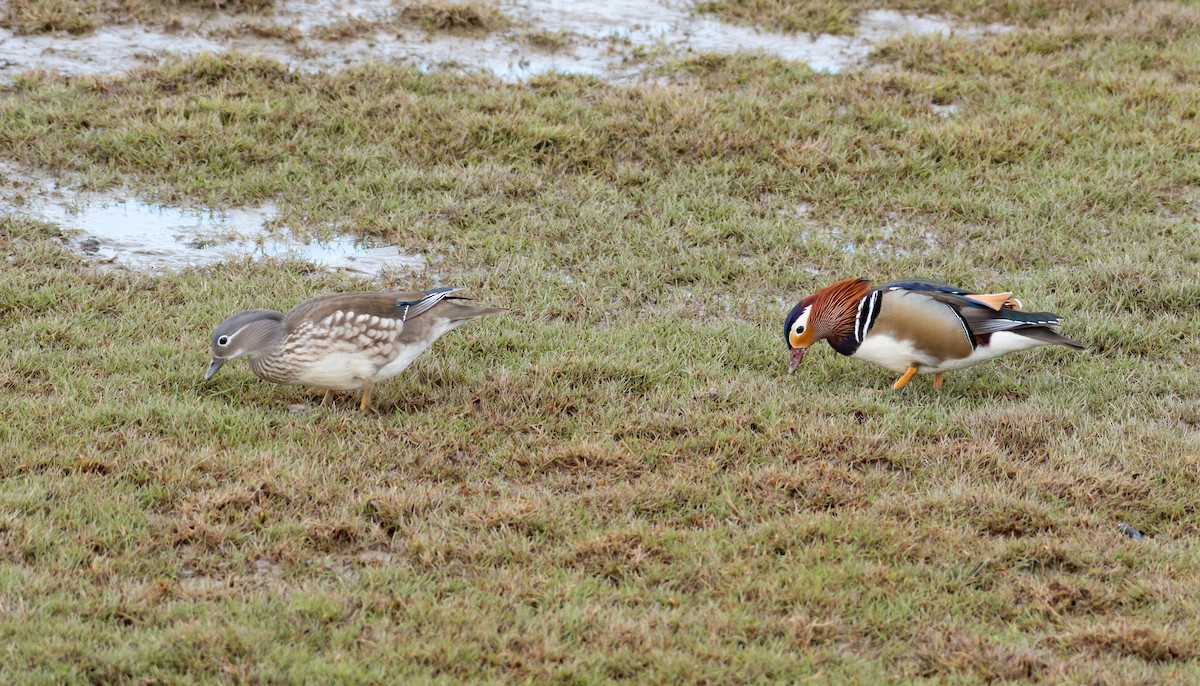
298	408
1129	531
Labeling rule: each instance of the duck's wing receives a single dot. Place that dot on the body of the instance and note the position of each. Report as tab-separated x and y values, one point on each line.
988	313
401	306
946	292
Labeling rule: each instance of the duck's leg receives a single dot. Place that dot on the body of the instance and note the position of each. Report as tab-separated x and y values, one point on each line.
937	380
366	395
328	399
903	381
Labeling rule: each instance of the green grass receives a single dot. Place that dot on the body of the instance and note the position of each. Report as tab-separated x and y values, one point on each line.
618	481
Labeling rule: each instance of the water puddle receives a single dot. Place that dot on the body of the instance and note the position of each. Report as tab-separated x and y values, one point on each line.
146	237
616	40
613	32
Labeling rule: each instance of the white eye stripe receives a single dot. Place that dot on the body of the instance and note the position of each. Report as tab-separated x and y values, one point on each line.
801	321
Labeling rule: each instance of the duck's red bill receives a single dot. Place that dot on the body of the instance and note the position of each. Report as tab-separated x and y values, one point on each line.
797	358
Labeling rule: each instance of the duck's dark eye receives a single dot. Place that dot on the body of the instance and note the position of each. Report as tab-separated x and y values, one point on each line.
799	329
223	341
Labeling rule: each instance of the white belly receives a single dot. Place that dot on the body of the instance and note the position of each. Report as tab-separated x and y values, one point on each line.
890	353
407	355
413	350
1002	343
897	354
338	372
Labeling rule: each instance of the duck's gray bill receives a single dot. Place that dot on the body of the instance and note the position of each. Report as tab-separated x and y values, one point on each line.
212	368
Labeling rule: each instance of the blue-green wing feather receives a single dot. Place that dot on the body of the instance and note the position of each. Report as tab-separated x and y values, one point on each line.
407	309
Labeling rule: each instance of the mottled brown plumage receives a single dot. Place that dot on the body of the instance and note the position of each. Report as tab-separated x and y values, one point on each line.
343	341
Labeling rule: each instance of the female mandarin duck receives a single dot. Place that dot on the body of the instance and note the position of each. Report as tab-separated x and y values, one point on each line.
917	326
343	341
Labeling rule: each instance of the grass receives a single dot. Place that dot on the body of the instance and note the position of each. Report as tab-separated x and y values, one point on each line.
24	17
470	17
348	28
458	18
41	16
267	30
841	17
550	41
789	17
618	481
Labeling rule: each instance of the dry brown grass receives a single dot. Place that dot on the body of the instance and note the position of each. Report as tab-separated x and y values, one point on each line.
347	28
470	16
1124	640
42	16
839	17
83	16
265	29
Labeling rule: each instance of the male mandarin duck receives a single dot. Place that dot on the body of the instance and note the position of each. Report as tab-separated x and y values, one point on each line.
917	326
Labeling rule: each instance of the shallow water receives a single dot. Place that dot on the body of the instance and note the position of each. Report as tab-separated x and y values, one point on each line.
148	237
605	39
609	40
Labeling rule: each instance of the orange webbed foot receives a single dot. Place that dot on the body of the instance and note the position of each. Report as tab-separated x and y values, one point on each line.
903	381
